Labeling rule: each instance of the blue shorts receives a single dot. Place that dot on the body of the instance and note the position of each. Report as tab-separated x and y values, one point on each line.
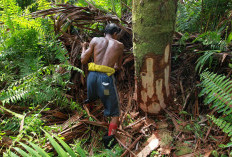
100	85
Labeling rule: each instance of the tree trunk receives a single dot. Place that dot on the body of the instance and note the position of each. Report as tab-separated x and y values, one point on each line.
153	27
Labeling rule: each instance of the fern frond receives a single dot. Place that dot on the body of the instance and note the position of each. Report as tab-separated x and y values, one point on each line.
13	96
70	67
202	60
218	91
44	4
225	126
41	86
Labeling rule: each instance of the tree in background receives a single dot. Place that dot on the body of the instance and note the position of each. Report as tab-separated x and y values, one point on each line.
123	6
23	4
203	15
153	26
214	12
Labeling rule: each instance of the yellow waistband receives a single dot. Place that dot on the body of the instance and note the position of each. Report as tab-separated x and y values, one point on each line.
101	68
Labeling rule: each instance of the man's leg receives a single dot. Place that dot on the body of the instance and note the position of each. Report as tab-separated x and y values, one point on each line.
113	125
109	140
108	95
91	90
114	120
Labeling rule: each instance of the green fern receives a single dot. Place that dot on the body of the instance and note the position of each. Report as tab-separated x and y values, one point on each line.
212	40
218	90
222	124
42	86
225	126
188	16
202	60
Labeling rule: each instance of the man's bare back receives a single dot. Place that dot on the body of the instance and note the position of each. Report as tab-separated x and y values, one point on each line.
107	51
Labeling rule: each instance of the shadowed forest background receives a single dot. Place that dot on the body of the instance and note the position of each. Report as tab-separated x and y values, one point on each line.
43	84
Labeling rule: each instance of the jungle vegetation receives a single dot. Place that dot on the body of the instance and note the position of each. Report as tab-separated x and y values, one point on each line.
31	54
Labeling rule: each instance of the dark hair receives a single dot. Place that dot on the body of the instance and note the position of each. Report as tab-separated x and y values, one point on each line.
112	28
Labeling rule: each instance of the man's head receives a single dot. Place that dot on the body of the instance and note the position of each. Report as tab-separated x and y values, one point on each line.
112	29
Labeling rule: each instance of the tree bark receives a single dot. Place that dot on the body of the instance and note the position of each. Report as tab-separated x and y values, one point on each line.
153	27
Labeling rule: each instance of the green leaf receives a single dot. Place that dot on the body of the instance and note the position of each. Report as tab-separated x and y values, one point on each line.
229	39
221	146
13	113
230	134
67	148
13	154
56	146
21	152
229	144
39	150
30	150
80	151
230	65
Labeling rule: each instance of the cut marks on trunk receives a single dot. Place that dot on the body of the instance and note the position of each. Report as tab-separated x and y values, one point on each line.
154	85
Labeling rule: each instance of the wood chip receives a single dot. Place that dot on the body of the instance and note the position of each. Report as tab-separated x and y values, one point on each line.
152	143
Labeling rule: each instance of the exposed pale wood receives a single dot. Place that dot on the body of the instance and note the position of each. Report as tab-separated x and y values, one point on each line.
152	143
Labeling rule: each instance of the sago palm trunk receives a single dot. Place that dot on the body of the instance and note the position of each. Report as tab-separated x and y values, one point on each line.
153	27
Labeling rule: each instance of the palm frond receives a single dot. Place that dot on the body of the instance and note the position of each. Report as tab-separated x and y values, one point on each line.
63	149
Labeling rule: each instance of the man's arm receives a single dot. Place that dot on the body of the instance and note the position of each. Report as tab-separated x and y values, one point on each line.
86	54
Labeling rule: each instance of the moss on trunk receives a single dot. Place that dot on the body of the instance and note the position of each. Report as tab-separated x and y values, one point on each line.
153	26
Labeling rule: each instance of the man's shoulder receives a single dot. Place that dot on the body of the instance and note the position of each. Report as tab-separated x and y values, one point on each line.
97	38
118	43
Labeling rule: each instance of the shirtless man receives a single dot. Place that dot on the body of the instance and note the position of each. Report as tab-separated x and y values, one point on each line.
101	82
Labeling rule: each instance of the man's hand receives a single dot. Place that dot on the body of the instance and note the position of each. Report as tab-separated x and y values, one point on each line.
116	67
84	45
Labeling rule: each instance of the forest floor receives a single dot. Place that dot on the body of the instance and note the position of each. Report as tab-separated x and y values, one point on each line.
181	130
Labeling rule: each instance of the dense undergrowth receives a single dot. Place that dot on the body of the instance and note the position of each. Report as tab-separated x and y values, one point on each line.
31	56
